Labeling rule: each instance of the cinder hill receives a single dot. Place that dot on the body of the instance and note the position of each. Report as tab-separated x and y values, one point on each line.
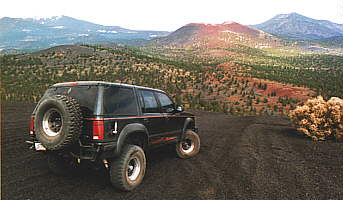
227	34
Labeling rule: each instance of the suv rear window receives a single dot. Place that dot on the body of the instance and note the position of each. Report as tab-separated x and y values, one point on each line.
85	95
119	101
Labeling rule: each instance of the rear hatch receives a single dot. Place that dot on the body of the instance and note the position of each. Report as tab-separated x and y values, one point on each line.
87	97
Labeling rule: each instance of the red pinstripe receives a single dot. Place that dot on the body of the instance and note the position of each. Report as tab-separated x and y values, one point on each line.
111	118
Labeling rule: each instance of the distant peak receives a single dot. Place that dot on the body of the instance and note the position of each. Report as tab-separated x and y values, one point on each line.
36	18
210	24
198	24
57	17
292	14
230	22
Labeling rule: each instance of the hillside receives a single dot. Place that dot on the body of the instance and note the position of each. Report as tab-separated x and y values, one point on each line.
36	34
298	27
254	158
237	81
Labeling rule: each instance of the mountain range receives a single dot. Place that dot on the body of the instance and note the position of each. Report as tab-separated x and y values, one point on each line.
33	34
298	27
29	33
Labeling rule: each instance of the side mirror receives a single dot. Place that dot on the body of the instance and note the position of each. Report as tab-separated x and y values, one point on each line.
179	109
170	110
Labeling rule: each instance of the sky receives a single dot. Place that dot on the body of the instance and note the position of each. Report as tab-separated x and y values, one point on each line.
171	15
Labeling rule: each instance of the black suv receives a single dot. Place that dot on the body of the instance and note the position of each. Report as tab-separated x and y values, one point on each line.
109	124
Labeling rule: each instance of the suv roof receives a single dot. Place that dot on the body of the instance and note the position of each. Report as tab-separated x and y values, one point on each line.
101	83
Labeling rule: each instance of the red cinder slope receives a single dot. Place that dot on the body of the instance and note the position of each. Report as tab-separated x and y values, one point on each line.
216	35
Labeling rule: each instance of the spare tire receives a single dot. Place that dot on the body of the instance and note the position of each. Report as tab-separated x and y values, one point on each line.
58	122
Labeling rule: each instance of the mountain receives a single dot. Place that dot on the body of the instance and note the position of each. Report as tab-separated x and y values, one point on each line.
29	33
298	27
217	35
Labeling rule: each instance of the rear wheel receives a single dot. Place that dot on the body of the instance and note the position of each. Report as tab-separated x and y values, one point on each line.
58	122
189	146
128	170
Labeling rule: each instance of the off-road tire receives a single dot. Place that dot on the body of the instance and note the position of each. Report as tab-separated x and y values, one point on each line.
120	168
71	122
192	146
61	165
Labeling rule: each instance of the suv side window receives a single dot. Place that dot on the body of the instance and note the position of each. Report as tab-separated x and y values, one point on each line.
119	101
150	103
166	104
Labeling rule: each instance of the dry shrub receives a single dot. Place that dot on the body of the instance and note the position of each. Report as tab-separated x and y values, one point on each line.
320	119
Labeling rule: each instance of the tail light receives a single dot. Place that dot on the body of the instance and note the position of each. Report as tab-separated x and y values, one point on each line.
32	126
98	130
73	83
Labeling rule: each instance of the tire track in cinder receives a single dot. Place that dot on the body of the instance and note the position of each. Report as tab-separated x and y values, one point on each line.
211	149
259	161
248	158
233	179
277	169
253	164
219	141
289	164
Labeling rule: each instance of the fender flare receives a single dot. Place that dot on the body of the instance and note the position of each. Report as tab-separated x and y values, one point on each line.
185	125
127	130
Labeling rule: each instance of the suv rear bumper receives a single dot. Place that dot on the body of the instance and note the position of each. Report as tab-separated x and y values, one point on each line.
90	152
97	151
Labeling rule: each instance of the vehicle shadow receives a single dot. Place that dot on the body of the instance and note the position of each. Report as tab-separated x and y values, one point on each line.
99	176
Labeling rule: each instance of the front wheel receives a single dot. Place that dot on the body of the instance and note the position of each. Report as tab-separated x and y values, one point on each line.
128	170
189	146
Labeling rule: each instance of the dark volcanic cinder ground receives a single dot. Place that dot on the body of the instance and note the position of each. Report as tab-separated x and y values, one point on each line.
240	158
